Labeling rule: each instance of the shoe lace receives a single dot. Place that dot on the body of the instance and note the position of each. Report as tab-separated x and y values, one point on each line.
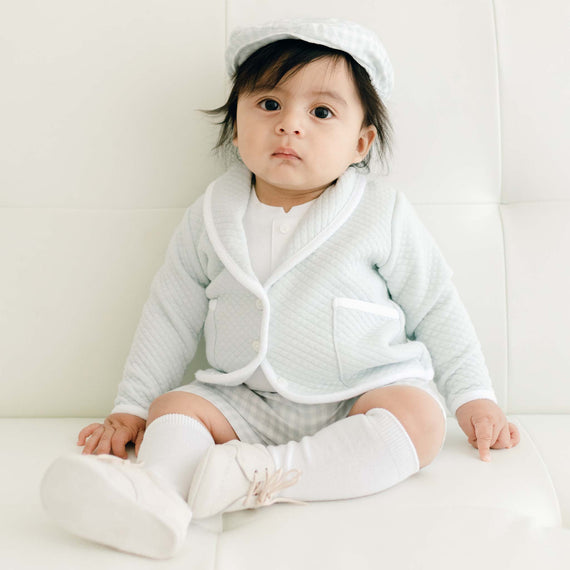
262	492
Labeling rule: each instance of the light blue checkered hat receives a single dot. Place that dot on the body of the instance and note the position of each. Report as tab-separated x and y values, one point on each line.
361	43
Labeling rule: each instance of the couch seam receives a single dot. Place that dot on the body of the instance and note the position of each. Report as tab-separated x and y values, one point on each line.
507	389
523	428
216	560
499	98
507	392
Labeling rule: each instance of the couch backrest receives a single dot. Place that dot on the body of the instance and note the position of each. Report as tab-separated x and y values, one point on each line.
102	149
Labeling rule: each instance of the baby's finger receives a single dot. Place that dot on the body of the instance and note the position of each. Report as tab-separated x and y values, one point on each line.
86	432
504	439
515	435
119	441
484	434
93	441
104	446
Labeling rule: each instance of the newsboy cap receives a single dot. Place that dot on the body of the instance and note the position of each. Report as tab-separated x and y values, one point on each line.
359	42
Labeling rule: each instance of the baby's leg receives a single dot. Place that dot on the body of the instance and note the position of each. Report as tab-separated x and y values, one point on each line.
390	433
140	508
181	427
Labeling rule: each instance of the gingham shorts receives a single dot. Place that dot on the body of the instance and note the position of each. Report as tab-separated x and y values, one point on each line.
270	419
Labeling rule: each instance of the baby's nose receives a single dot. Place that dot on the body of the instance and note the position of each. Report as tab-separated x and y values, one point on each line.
286	131
290	124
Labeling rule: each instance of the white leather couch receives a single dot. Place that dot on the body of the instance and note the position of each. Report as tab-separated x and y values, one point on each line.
102	149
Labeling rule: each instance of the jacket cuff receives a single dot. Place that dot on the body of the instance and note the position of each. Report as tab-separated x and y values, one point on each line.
457	401
131	409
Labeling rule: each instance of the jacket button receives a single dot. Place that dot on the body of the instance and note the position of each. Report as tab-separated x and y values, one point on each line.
259	304
255	345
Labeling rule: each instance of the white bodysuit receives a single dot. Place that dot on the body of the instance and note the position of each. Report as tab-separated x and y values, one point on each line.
265	224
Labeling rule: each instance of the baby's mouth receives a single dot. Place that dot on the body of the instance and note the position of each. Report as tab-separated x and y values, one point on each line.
286	153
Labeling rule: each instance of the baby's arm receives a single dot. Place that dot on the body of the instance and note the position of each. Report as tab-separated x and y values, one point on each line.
171	323
419	280
166	340
113	435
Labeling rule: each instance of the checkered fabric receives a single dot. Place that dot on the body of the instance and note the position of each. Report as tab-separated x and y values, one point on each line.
270	419
361	43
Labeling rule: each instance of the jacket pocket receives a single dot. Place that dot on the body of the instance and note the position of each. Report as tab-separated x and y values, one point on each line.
364	336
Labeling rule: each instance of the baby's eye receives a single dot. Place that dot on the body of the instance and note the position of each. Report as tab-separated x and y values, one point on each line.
322	113
269	105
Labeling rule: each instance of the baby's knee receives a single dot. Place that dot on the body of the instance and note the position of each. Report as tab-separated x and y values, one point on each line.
426	426
420	415
196	407
174	403
418	412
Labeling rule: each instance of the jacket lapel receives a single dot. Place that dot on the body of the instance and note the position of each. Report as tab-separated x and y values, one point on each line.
225	204
326	215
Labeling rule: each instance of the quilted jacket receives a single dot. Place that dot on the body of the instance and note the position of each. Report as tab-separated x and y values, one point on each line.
363	298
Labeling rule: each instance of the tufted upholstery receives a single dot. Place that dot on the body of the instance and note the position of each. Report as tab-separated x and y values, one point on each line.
102	148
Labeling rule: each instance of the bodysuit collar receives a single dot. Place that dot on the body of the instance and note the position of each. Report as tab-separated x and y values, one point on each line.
225	204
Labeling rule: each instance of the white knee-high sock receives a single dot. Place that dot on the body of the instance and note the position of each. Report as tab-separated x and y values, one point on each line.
354	457
172	447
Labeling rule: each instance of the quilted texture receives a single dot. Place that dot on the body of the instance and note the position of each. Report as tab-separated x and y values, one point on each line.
362	299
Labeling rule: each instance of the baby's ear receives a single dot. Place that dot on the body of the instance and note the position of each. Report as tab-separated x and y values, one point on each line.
365	140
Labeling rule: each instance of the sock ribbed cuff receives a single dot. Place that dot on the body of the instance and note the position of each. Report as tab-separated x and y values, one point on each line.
172	447
403	450
178	420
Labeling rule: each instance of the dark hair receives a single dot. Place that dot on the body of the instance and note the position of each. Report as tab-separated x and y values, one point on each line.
266	67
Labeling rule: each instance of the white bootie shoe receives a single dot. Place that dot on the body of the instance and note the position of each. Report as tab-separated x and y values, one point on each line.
117	503
236	476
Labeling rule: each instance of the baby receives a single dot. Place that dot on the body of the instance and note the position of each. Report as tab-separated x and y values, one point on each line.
330	319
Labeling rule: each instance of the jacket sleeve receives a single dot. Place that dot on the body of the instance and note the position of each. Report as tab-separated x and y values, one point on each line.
170	326
419	280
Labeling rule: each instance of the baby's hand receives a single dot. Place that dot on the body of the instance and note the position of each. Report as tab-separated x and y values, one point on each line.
113	435
486	426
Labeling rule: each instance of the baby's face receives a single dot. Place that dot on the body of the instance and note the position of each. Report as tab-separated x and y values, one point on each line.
300	136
